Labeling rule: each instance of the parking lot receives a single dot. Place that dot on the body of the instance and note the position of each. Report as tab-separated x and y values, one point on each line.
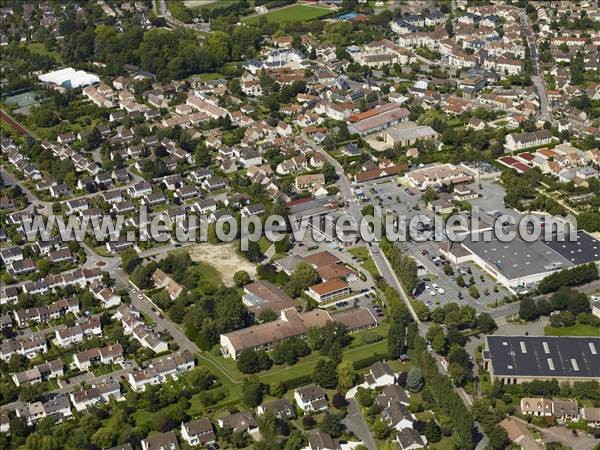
436	287
393	197
434	274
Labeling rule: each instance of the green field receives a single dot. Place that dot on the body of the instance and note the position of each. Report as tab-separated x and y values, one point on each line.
294	13
40	47
366	260
575	330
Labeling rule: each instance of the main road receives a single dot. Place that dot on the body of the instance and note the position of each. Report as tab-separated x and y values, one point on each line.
537	76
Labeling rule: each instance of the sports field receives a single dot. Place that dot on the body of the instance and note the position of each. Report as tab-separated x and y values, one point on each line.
294	13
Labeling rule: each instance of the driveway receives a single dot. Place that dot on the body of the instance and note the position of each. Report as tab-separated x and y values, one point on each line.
355	422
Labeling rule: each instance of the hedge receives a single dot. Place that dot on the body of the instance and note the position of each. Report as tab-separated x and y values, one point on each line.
293	383
369	360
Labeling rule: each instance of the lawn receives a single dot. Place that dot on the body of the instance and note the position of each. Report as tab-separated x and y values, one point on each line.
40	48
447	443
575	330
278	373
295	13
366	261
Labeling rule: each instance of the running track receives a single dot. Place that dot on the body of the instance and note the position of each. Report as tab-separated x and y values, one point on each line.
15	125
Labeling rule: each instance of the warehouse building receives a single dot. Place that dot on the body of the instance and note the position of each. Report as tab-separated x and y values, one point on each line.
517	263
520	359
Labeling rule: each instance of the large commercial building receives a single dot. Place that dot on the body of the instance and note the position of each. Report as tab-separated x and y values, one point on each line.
519	359
377	119
518	263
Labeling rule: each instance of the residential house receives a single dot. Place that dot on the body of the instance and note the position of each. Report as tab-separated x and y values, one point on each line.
198	432
311	398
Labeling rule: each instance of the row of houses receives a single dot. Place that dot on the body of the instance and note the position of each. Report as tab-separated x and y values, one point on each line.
561	409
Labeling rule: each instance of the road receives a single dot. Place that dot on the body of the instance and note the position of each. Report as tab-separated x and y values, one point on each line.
355	422
537	77
383	265
142	303
385	269
164	12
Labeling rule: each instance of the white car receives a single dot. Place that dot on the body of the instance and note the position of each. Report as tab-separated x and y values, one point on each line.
435	286
432	292
441	291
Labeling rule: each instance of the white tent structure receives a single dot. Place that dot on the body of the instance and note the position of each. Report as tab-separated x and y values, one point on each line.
69	78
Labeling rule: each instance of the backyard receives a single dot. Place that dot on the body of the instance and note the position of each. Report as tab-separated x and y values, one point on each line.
231	377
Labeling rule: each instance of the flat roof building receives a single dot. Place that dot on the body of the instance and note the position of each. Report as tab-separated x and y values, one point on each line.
519	359
518	263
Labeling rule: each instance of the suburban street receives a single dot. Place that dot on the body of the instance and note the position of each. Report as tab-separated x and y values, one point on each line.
142	303
355	422
537	77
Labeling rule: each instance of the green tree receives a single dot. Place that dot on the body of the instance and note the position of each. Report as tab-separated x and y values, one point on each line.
396	345
485	323
303	276
325	374
528	310
435	335
331	425
346	376
380	429
267	315
248	362
253	392
414	380
241	278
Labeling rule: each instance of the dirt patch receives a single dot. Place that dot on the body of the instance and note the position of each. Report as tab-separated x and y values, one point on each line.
224	258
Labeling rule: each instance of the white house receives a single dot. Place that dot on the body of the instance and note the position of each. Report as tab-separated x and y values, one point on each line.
311	398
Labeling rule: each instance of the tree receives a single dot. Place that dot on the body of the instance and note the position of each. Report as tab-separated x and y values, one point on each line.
331	425
267	315
485	323
473	291
396	346
364	397
325	374
527	310
498	438
346	376
295	441
303	276
248	362
432	431
253	392
414	380
429	195
435	335
380	429
241	278
254	253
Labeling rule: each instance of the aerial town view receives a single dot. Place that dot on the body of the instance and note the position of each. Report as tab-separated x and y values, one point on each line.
300	224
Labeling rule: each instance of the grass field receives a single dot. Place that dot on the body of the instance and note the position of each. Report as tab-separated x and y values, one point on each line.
366	260
40	47
575	330
294	13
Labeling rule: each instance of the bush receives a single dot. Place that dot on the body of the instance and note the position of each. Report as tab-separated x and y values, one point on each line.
569	277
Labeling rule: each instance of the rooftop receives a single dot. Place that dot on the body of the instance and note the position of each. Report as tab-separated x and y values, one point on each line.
544	356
